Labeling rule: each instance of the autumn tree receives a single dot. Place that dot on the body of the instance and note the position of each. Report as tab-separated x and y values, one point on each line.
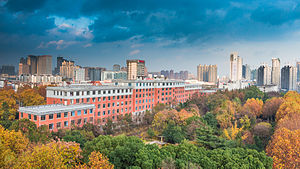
225	114
58	154
12	144
284	148
291	104
31	97
291	121
232	133
96	161
8	104
270	108
253	108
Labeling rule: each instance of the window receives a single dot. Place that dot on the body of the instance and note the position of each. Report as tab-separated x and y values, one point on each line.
58	125
66	123
73	113
34	117
21	115
78	112
78	121
99	99
43	117
91	111
99	113
50	116
85	111
103	113
51	126
65	114
103	105
85	120
72	122
104	98
58	115
29	116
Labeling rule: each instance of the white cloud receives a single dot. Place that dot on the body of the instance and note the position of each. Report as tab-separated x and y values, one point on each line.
87	45
60	44
134	52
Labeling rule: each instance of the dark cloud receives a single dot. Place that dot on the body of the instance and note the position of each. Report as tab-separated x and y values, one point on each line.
24	5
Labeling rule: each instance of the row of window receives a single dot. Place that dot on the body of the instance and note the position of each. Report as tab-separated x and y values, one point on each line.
59	115
73	122
87	93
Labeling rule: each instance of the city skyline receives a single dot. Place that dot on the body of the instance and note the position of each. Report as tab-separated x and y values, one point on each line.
104	33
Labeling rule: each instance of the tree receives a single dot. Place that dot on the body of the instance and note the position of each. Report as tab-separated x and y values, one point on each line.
31	97
232	133
284	148
30	130
6	117
109	127
96	161
253	107
58	154
291	121
12	144
270	108
173	133
262	132
76	136
291	104
8	99
253	92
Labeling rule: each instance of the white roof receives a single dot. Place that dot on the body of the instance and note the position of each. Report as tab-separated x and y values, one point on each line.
54	108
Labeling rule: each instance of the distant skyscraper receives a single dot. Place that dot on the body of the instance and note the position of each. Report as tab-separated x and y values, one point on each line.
44	65
171	75
67	69
298	71
254	74
8	69
135	69
275	78
32	61
116	67
24	68
59	61
264	75
289	78
93	73
246	72
79	74
235	67
207	73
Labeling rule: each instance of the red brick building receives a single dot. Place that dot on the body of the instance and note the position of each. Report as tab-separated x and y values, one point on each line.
122	97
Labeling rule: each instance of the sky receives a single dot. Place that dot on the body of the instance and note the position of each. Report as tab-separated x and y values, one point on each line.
168	34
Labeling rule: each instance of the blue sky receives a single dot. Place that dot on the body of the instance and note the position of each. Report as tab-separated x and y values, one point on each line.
168	34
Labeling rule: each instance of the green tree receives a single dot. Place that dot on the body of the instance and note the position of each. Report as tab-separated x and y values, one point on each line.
76	136
173	133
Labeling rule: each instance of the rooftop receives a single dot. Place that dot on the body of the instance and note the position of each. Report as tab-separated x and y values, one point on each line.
54	108
87	87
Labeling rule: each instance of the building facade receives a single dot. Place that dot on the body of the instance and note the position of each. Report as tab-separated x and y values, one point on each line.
113	75
207	73
44	65
67	69
123	97
289	78
264	75
135	69
246	72
298	71
236	63
79	74
275	78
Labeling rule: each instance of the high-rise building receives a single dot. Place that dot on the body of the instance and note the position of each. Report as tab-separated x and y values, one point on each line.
289	78
254	74
298	71
116	67
93	73
32	61
275	78
44	65
67	69
264	75
79	74
24	68
235	67
59	61
207	73
246	72
171	75
8	69
135	69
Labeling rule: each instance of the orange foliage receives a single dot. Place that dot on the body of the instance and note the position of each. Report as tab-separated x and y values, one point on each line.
284	148
291	104
271	106
291	121
253	107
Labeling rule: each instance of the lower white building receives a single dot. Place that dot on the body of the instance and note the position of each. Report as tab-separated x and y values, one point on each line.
79	74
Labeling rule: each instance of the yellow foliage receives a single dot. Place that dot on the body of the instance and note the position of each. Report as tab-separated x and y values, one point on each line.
231	133
97	161
253	107
8	96
11	145
30	97
291	104
284	148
